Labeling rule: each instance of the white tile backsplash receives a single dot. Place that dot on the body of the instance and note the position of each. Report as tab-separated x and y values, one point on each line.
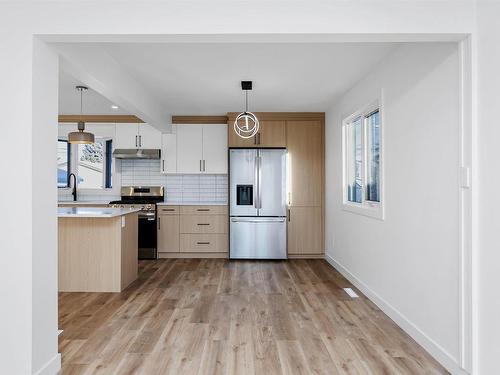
178	188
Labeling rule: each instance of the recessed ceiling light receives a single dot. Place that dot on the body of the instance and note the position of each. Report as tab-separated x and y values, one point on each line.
114	106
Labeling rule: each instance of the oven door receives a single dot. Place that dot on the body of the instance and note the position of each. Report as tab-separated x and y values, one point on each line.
147	235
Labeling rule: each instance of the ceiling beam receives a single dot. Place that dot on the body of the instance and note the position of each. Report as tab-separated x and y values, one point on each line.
199	119
94	67
100	118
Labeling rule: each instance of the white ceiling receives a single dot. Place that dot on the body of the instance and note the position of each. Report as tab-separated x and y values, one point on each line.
93	102
204	78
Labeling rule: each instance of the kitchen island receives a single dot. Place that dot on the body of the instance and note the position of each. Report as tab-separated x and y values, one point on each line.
97	248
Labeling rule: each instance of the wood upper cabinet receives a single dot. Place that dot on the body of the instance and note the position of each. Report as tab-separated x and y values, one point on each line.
272	133
305	231
304	141
234	140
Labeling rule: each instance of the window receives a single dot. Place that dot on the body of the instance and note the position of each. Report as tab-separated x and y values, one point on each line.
63	162
362	189
92	164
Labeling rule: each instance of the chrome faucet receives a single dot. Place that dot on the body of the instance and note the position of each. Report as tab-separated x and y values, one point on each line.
74	185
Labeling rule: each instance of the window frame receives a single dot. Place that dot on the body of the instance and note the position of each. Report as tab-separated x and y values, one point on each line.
367	208
68	162
110	177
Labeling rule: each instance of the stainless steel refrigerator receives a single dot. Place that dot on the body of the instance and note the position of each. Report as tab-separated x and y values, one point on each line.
257	190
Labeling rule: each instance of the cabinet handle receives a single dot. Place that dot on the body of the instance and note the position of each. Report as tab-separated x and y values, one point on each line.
203	243
203	209
200	165
140	141
289	215
203	224
136	142
163	165
204	162
168	209
159	223
258	138
255	139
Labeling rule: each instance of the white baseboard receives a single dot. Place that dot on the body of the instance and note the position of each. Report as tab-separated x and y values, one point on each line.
436	351
52	367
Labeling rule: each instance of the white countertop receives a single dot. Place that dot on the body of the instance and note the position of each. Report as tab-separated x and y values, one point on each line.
96	212
192	204
78	203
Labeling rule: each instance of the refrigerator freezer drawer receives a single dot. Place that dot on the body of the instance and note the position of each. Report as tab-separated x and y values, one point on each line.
257	238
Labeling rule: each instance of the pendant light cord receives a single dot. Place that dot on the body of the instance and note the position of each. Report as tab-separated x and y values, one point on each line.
246	101
81	105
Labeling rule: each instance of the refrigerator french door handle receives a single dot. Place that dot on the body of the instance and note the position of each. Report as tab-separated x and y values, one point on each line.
260	180
256	193
259	220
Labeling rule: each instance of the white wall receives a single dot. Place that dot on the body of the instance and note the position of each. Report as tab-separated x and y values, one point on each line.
16	244
409	260
488	256
44	202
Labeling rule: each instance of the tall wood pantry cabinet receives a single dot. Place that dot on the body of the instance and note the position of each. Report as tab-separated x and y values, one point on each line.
305	145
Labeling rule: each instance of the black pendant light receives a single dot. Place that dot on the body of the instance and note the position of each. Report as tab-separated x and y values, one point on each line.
81	136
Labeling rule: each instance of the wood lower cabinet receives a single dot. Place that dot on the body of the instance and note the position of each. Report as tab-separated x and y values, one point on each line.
168	230
305	231
192	231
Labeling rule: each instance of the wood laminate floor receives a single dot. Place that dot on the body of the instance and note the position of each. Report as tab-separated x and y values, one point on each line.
212	316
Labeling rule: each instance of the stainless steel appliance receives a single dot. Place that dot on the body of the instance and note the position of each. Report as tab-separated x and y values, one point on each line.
140	153
257	188
145	198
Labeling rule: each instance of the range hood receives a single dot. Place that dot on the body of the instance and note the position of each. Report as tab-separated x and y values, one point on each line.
127	153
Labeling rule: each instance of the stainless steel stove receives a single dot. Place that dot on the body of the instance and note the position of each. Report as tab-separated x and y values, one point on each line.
145	198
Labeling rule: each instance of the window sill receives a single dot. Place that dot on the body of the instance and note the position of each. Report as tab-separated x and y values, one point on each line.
369	210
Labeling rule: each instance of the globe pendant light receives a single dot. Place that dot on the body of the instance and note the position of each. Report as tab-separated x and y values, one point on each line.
246	124
81	136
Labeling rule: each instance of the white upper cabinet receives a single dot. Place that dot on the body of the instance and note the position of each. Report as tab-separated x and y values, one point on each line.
215	149
137	136
169	152
189	148
149	137
195	149
126	136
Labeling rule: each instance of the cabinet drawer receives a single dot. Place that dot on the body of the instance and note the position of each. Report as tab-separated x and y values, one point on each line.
168	210
204	223
210	243
204	210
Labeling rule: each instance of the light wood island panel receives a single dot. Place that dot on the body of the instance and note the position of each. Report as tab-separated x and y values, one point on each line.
97	254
